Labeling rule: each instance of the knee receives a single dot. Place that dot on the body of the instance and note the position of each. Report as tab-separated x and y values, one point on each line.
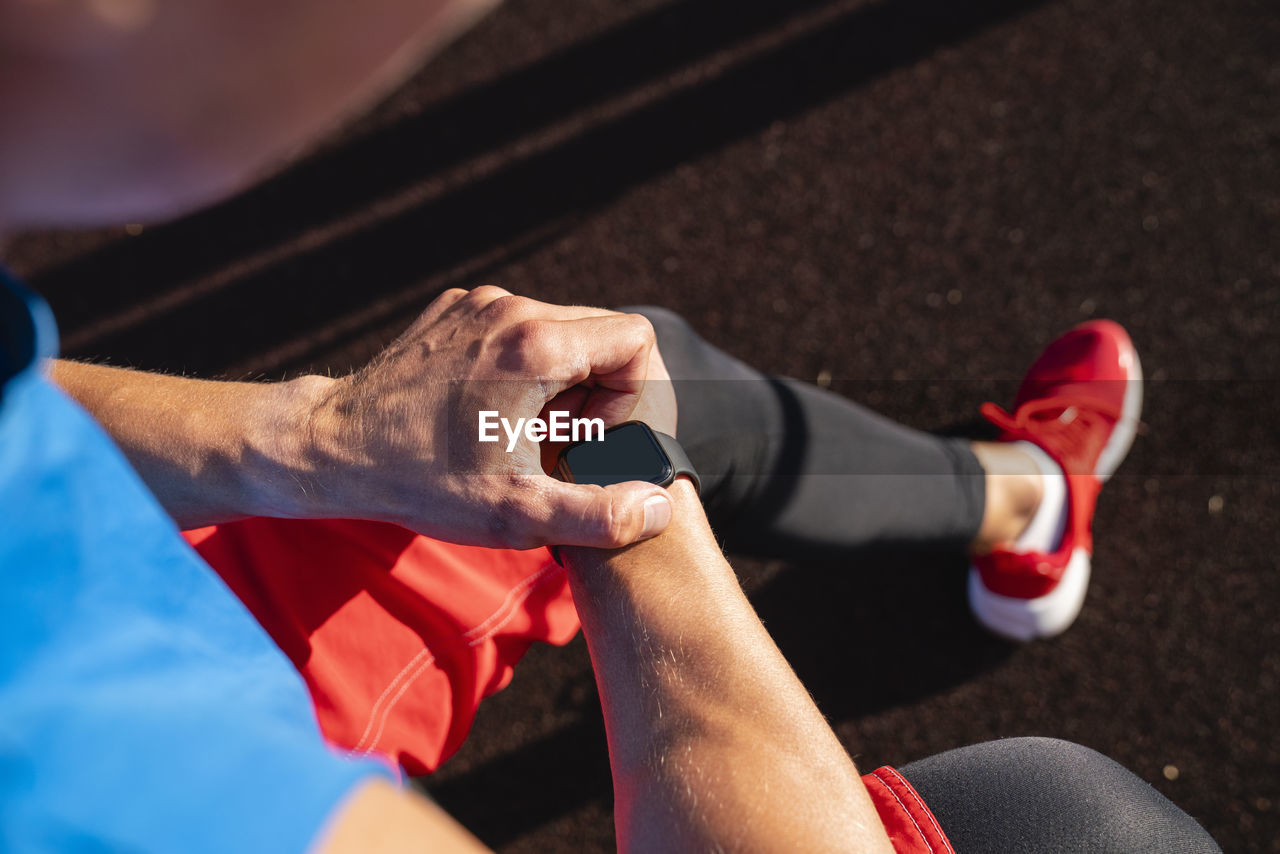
1046	794
1120	809
1055	754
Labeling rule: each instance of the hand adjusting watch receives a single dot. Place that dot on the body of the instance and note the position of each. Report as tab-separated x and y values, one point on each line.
631	450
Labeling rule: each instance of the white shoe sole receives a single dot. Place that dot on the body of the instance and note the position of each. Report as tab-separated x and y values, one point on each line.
1041	617
1053	613
1117	447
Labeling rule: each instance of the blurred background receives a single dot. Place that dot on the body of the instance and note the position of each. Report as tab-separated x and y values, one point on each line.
902	200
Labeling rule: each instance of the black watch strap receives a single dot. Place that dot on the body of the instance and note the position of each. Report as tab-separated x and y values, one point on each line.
680	464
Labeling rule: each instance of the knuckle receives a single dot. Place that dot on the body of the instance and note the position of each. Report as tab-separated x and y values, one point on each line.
533	341
642	325
505	308
661	319
637	328
615	522
488	292
480	298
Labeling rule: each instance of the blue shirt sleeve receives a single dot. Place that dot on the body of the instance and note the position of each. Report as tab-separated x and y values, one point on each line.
142	709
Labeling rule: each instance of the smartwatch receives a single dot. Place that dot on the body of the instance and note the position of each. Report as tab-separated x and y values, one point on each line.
629	451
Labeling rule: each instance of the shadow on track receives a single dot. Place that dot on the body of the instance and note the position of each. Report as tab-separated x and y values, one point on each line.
154	316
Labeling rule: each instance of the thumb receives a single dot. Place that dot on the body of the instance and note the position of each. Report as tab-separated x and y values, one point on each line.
605	517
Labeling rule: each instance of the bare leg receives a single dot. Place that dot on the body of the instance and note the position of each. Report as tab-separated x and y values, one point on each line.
1014	487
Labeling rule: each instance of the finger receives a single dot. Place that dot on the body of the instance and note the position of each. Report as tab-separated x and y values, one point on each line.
501	308
610	350
478	299
609	517
550	311
613	407
589	400
569	401
657	405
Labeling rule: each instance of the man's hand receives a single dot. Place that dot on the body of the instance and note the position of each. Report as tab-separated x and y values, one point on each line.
398	440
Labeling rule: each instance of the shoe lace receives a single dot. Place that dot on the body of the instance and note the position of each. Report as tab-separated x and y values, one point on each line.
1062	425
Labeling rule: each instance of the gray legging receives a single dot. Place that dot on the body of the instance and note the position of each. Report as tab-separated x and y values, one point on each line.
791	470
1044	796
788	469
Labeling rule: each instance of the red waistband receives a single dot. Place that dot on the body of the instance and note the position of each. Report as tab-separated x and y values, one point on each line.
911	826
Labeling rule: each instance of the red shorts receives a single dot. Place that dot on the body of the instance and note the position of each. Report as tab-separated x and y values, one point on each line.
399	637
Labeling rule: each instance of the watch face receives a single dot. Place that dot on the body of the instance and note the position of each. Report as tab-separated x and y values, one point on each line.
627	452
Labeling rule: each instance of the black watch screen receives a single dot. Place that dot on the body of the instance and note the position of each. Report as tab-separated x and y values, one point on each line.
626	452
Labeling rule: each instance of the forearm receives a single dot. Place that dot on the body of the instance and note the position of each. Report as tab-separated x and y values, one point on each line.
210	451
396	441
712	738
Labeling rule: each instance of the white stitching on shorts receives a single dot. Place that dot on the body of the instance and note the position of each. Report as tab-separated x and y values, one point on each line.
924	807
876	774
514	599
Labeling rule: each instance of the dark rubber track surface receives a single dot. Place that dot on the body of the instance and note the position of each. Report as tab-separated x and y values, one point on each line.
907	197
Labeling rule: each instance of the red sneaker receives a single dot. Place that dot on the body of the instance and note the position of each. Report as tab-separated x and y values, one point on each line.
1080	403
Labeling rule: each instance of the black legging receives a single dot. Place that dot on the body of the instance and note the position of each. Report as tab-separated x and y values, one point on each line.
1044	796
789	469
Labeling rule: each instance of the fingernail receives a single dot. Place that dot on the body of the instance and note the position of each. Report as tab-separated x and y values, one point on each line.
657	513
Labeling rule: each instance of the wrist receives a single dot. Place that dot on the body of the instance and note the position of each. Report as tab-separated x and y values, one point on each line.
684	498
293	434
687	535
